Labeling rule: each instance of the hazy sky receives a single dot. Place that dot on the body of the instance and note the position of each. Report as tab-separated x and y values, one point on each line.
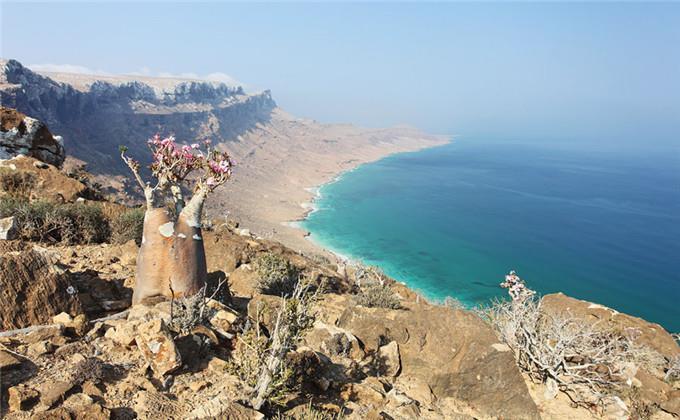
607	72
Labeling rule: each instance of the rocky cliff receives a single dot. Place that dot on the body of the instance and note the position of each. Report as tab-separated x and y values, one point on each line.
96	119
279	157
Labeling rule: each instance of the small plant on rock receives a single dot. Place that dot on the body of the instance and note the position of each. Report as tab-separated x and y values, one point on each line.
260	358
276	275
188	312
127	226
378	296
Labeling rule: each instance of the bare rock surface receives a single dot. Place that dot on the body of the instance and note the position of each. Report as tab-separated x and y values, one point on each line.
32	289
451	351
20	134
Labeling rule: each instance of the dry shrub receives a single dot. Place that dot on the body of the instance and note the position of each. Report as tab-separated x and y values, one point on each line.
128	225
378	296
16	183
90	369
259	359
46	221
584	361
277	276
191	311
368	275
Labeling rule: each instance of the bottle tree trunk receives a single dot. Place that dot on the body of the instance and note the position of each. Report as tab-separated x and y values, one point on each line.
171	260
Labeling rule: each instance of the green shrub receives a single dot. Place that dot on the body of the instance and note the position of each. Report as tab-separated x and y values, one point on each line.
46	221
276	274
16	183
378	296
128	225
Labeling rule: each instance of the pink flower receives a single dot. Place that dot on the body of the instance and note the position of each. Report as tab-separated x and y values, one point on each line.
194	146
186	148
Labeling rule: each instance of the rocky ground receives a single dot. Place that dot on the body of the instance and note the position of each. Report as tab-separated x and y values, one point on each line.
420	361
72	347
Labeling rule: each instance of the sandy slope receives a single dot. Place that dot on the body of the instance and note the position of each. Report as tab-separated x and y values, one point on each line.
281	161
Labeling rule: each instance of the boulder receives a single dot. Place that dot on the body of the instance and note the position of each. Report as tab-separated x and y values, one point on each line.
8	361
33	289
152	405
224	251
8	228
388	359
333	341
243	281
24	135
123	334
21	397
452	351
159	350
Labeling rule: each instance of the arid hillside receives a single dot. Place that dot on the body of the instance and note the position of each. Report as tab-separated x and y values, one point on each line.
345	342
279	156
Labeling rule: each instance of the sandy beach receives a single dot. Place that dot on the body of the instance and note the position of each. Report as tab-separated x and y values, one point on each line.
282	164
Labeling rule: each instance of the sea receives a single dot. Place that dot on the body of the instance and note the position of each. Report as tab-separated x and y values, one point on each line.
599	224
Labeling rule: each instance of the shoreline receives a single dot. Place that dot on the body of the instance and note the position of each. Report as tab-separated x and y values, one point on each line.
286	163
311	207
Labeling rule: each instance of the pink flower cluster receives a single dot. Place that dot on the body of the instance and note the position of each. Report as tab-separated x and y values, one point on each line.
175	162
517	290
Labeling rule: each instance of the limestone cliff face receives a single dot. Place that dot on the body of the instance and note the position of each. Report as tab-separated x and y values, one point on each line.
93	121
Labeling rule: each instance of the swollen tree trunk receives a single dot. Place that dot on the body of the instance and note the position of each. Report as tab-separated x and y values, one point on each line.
171	260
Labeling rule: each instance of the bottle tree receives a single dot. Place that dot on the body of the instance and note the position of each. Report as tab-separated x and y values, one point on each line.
171	259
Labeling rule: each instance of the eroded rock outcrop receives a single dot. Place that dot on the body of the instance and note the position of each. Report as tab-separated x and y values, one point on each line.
23	135
96	119
454	352
32	288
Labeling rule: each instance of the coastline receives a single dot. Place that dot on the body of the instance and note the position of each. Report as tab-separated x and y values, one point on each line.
311	207
286	164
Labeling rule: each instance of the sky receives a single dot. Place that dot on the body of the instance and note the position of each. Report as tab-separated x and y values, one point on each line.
598	73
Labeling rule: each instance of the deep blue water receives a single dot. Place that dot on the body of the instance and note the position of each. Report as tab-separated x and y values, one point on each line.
600	225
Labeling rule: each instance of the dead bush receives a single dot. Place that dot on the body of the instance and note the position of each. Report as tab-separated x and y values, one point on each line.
127	226
276	275
588	362
378	296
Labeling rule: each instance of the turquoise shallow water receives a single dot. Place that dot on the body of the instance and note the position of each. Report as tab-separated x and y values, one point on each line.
597	225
